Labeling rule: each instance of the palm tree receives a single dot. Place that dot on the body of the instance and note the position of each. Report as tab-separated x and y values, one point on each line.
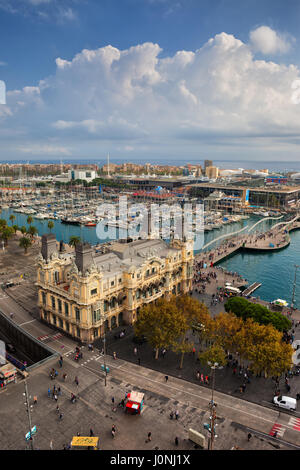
15	227
32	231
74	241
29	220
50	225
23	229
25	243
12	217
6	234
2	223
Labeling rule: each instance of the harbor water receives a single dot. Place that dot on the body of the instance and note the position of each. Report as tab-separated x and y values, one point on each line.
274	270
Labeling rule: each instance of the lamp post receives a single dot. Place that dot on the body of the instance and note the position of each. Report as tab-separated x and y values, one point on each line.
294	286
103	317
213	415
28	410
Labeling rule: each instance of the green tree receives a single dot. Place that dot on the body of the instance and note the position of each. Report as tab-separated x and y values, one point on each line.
74	240
15	228
6	234
29	220
25	243
32	231
12	218
259	313
50	224
23	229
3	223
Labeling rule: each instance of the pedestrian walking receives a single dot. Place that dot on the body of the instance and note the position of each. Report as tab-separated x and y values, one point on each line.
135	351
172	415
76	380
115	355
202	378
149	437
113	430
35	400
59	391
60	416
176	441
60	363
55	397
49	392
249	436
57	409
166	378
176	414
64	377
198	375
91	433
51	445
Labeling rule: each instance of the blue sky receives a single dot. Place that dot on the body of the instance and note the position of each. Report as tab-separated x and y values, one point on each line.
227	96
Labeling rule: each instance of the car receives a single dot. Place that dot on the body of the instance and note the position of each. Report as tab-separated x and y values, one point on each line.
287	403
139	339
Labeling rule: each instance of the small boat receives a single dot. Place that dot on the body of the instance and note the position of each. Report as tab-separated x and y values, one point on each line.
90	224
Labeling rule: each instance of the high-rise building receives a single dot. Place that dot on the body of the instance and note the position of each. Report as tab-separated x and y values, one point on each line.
207	163
212	172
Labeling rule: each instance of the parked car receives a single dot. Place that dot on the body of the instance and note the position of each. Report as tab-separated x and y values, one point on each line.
287	403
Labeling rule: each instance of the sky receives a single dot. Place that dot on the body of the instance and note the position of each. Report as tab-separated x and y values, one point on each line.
145	80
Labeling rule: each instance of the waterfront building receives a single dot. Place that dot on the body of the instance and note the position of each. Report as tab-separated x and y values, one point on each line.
282	197
82	174
212	172
84	292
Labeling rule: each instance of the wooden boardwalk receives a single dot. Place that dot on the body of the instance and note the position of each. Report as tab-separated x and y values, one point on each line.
269	241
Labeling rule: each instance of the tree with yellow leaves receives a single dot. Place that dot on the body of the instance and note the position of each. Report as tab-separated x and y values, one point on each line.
162	324
196	314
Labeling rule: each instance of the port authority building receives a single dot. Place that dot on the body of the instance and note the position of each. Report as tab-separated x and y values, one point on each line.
84	292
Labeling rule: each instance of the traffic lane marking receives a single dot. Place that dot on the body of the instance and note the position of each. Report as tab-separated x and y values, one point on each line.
97	372
202	397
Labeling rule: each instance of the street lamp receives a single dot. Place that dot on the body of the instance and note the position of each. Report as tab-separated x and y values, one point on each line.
294	286
213	416
104	317
28	409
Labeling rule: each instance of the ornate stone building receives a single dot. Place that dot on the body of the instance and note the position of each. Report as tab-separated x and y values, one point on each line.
84	292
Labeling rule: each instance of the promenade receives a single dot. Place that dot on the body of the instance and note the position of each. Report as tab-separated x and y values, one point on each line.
270	241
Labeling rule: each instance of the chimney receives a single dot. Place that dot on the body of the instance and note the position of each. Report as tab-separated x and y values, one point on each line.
48	246
83	257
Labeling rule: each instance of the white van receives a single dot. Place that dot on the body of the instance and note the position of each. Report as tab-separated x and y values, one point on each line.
287	403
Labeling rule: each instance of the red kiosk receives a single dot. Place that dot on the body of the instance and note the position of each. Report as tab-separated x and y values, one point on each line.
134	403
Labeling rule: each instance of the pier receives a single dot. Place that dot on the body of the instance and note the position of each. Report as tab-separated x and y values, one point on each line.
274	239
251	288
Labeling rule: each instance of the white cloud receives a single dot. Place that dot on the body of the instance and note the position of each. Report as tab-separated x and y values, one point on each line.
44	150
268	41
217	98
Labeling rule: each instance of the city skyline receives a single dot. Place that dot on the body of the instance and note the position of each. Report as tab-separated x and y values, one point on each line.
150	80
